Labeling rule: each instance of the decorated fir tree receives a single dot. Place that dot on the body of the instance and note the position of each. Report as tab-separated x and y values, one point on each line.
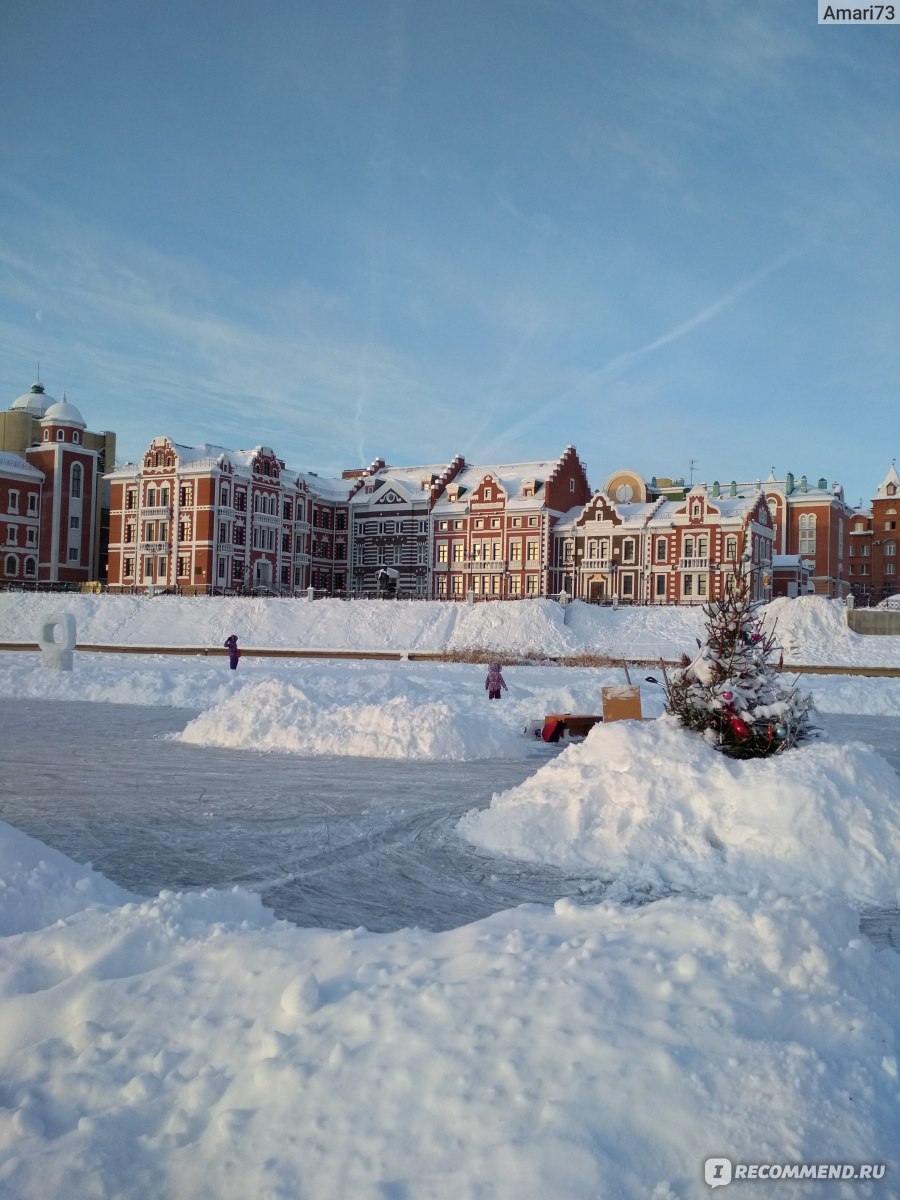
732	692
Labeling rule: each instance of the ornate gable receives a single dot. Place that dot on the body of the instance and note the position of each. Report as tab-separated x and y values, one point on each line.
390	497
599	508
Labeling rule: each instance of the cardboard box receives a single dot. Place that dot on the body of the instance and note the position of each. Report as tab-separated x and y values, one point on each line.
621	703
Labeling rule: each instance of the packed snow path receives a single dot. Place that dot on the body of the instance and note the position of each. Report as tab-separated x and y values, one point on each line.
328	842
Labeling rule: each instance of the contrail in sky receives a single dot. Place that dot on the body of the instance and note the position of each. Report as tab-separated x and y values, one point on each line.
679	331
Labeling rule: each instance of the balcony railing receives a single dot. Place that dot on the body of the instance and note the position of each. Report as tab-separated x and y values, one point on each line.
482	565
266	518
155	514
154	548
693	564
591	564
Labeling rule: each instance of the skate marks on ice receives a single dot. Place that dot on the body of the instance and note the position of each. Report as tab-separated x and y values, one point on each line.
331	842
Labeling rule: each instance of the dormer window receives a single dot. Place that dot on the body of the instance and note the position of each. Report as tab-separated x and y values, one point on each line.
488	493
696	509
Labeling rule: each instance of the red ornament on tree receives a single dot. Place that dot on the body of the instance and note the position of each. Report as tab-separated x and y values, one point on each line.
741	728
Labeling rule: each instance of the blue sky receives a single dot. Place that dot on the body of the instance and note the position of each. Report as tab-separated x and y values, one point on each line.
664	232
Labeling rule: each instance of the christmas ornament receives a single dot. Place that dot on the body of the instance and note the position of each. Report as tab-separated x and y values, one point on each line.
740	728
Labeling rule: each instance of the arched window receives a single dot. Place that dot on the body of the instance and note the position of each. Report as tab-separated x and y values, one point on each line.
75	480
76	436
30	568
890	549
46	435
10	566
60	435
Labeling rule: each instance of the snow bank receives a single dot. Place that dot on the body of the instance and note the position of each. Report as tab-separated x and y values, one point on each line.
655	808
279	716
812	629
187	1046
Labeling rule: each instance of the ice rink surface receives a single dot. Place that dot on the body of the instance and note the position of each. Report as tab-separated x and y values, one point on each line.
330	842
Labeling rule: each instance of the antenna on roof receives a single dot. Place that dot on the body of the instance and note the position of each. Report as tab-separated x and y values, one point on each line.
693	467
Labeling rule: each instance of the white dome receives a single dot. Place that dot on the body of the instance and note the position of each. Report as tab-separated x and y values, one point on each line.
36	402
61	412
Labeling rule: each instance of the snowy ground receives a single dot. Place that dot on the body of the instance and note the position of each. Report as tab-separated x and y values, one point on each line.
187	1044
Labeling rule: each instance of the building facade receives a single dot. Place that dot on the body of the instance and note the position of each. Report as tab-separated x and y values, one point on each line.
207	519
492	528
51	437
632	544
874	539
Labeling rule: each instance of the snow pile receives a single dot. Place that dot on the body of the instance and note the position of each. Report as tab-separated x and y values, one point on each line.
39	886
188	1046
813	630
655	808
279	716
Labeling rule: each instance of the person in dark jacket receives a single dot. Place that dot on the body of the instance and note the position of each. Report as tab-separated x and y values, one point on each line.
494	682
233	653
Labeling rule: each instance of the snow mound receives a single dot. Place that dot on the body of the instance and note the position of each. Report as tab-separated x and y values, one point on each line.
280	717
656	809
39	886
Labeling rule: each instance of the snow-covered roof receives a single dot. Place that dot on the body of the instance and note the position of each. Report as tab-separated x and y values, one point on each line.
15	464
412	483
512	477
63	413
35	403
891	478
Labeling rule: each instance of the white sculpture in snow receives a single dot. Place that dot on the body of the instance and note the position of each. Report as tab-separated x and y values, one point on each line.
57	655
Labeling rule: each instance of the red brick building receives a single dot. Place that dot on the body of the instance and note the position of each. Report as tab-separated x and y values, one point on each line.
874	540
492	527
208	519
52	438
633	544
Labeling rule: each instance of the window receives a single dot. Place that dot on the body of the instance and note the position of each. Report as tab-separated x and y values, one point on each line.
731	548
488	493
73	554
13	505
442	586
532	521
30	567
457	585
696	509
807	525
131	498
479	524
865	549
514	584
46	435
572	486
11	565
32	504
515	551
459	551
184	566
533	550
12	535
660	586
628	550
60	435
30	537
627	585
888	525
74	522
443	524
661	550
531	585
495	522
151	497
128	568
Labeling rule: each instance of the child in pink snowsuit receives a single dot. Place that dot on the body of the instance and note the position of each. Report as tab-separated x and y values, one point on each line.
494	682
